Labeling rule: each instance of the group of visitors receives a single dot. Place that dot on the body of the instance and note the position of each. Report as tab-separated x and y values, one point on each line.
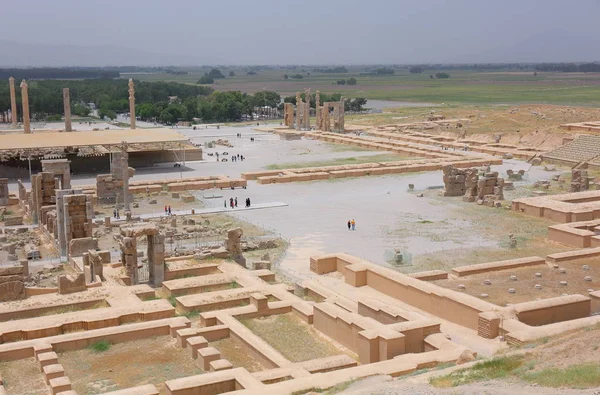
351	224
116	214
167	210
233	202
237	157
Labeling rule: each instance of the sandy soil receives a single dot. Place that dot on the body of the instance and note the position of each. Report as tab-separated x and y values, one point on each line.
308	343
23	377
236	353
147	361
526	280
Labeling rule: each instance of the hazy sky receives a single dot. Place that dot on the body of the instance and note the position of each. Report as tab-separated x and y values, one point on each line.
79	32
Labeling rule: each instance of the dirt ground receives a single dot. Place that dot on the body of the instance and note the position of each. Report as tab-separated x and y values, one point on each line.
148	361
532	125
236	353
526	280
23	377
307	344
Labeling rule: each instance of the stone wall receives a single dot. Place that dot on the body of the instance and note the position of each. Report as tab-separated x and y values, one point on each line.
12	282
4	198
60	167
71	283
78	217
455	180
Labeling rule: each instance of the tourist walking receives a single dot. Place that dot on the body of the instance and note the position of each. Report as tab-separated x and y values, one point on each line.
236	201
118	216
231	202
349	224
169	210
353	224
115	213
166	210
225	203
248	202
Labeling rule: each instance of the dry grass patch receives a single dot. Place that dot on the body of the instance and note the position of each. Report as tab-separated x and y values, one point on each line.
293	338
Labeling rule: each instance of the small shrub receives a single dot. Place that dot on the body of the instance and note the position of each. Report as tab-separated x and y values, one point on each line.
100	346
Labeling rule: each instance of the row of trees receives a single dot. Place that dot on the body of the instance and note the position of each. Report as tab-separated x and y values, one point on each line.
109	95
349	81
164	102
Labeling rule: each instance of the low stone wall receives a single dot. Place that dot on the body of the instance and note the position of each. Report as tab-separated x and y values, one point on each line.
462	271
553	310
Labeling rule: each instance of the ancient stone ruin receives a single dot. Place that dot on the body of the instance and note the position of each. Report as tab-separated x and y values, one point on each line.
234	247
155	252
580	180
12	281
455	180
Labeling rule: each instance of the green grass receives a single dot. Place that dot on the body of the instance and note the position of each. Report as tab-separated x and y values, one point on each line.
191	314
339	162
100	346
463	86
496	368
575	376
172	300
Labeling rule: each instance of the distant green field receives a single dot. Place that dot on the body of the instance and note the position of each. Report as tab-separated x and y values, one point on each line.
463	87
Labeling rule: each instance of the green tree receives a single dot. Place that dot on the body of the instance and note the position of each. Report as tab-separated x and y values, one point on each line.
80	110
341	82
231	74
215	73
442	75
285	77
351	81
416	69
205	79
107	113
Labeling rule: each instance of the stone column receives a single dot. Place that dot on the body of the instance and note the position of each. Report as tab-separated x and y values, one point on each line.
318	109
25	98
298	110
132	103
341	121
13	102
67	103
307	109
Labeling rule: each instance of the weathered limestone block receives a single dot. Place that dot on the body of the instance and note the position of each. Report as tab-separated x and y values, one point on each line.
71	283
78	246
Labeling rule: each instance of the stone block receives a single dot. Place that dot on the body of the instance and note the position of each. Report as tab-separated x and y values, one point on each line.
52	372
195	343
59	384
260	301
47	358
206	356
184	334
220	364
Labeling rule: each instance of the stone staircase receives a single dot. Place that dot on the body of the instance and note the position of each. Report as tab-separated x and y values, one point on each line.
582	149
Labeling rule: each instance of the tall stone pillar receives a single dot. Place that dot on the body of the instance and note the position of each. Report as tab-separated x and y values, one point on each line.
342	121
307	109
13	102
25	98
318	108
299	110
67	103
132	103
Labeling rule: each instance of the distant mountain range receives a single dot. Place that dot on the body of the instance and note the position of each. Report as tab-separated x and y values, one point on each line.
16	54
